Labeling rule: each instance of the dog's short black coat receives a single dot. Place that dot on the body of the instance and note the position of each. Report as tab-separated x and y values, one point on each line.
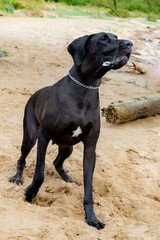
68	113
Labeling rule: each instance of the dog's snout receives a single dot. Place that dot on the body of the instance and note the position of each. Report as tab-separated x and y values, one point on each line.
128	43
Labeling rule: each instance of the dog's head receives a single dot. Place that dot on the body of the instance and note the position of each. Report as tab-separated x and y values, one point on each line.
98	53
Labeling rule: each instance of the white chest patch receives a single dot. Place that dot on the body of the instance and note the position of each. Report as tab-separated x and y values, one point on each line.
77	132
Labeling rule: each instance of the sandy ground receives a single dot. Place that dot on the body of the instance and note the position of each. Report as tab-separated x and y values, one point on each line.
126	179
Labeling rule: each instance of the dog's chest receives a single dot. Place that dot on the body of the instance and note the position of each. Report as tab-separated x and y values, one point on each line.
77	132
72	121
71	133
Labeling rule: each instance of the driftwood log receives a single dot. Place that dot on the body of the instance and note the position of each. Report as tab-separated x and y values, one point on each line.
128	110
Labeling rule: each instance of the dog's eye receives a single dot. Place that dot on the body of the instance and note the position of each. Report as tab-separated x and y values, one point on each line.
103	39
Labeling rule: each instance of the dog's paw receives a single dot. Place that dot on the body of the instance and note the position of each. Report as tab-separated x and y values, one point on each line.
16	179
95	223
30	193
63	174
99	225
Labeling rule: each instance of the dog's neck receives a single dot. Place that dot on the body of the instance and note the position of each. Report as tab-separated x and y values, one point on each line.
82	84
82	78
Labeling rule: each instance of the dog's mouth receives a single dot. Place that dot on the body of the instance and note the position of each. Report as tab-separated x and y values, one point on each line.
117	62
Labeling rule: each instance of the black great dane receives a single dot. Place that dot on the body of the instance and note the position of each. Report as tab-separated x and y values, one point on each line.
68	112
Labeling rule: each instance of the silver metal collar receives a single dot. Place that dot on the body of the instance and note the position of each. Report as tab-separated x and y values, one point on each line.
81	84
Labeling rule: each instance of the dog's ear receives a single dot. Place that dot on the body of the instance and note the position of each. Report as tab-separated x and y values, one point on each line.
77	49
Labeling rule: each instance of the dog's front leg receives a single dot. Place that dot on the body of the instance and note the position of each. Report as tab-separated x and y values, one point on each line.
38	178
88	169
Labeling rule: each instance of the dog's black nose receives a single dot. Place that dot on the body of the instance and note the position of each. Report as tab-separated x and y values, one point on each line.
128	43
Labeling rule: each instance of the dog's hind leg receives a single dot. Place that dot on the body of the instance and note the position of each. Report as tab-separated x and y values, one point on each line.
30	129
38	177
63	153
